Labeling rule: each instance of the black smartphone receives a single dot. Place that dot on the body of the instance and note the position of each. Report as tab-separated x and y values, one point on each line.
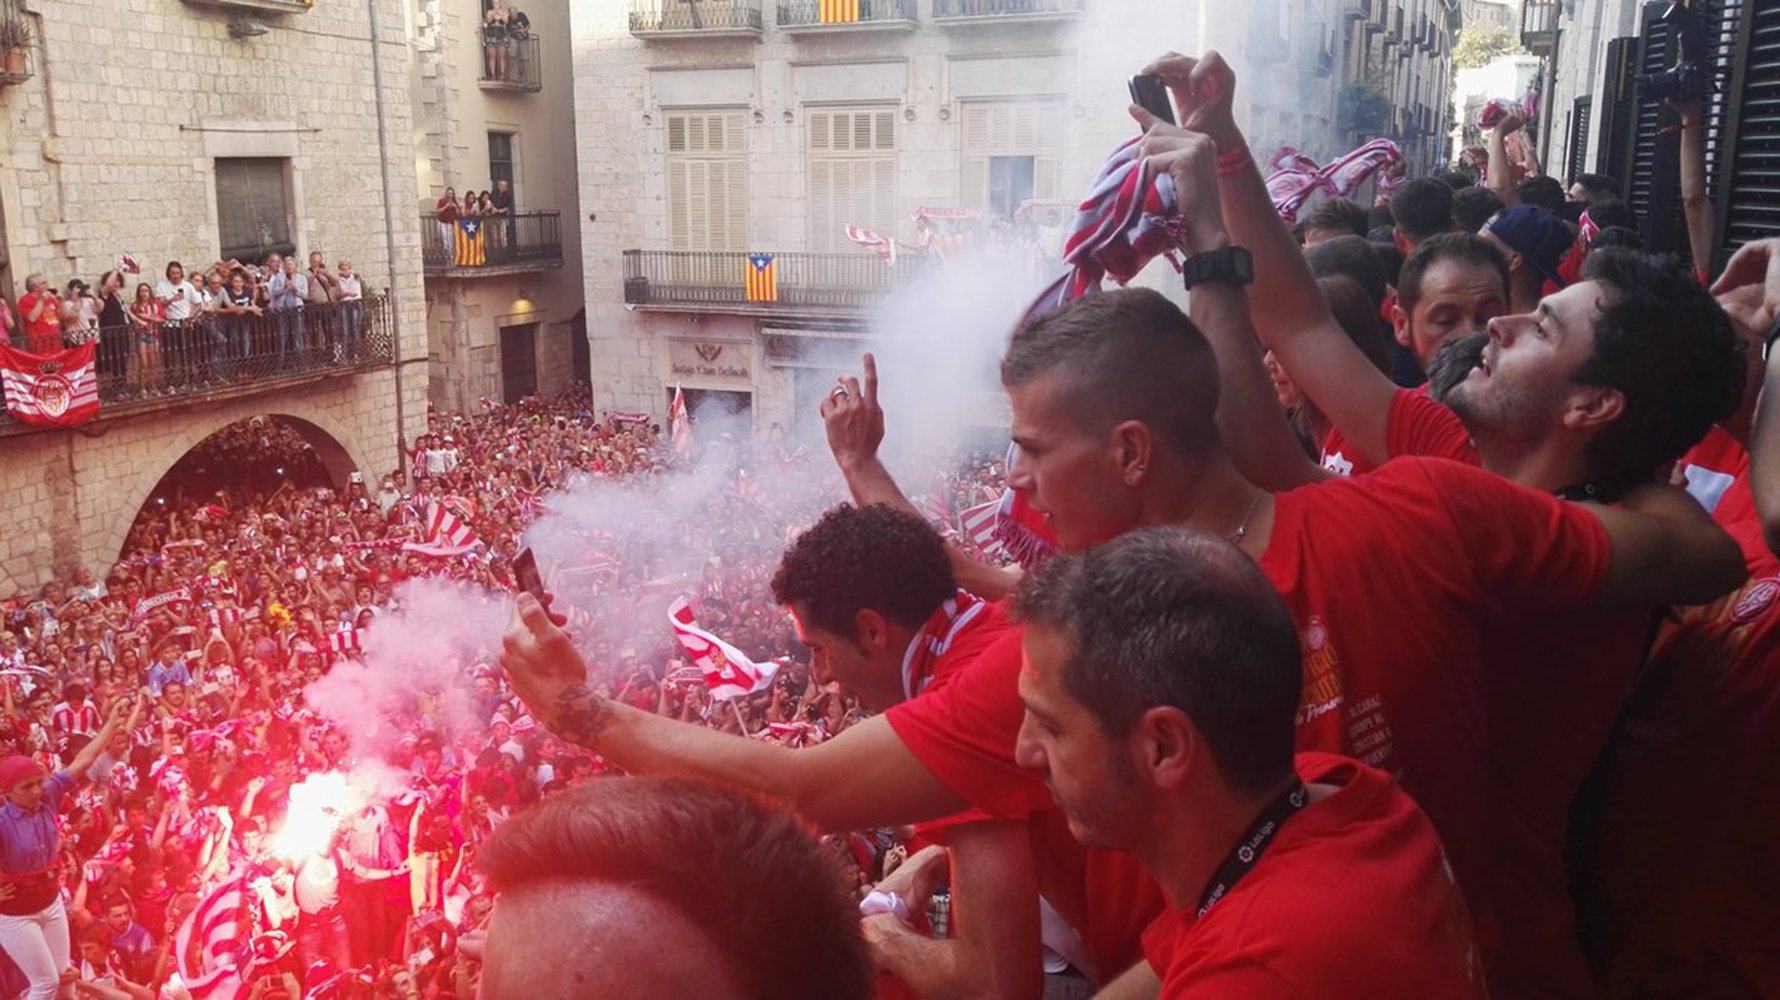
1151	94
525	573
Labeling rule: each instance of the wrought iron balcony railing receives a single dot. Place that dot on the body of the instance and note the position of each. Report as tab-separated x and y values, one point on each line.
973	10
712	281
491	244
15	43
668	18
1538	26
516	67
141	367
823	15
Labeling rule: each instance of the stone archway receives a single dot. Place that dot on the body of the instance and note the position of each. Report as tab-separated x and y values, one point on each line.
335	448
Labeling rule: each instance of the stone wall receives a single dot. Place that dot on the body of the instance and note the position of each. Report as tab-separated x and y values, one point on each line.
70	496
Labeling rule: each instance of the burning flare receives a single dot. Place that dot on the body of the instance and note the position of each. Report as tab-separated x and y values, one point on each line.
318	805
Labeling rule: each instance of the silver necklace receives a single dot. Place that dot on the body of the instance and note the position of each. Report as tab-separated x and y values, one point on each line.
1242	532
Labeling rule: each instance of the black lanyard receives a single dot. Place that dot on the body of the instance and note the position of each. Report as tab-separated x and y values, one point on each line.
1254	842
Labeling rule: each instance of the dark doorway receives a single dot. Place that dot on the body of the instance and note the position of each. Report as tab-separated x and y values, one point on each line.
519	362
580	356
735	409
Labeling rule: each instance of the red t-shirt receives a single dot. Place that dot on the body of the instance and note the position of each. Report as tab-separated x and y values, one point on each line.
1710	468
44	333
1417	426
1678	881
1352	899
1392	579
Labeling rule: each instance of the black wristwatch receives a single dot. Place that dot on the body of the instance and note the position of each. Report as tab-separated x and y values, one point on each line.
1228	266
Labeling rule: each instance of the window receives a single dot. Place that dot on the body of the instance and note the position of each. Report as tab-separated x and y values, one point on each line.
707	171
253	207
1010	154
852	178
500	160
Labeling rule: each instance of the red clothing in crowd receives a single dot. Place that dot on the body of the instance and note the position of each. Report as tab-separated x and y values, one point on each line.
1417	426
1364	857
1394	665
44	334
1677	886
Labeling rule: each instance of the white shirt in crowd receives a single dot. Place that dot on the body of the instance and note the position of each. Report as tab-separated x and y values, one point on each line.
182	300
349	287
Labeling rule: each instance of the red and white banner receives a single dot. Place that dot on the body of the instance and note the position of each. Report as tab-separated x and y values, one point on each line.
446	534
345	640
211	513
50	390
978	525
865	239
210	949
679	427
727	670
148	605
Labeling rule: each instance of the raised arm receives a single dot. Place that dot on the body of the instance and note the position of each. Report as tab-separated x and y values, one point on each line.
854	422
1288	309
1667	550
1695	205
1501	171
1249	416
1758	264
864	777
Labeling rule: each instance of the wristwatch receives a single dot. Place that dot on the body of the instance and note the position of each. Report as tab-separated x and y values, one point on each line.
1227	266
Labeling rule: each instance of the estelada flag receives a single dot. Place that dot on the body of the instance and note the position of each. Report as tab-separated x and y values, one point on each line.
469	250
50	390
840	11
763	278
728	671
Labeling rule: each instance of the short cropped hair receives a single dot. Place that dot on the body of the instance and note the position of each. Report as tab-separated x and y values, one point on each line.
1423	208
1668	346
1173	617
875	557
750	877
1543	191
1337	214
1124	355
1352	257
1472	207
1460	248
1596	186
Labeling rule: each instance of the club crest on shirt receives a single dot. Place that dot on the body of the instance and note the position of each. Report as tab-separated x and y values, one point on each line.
1756	599
1337	463
1322	674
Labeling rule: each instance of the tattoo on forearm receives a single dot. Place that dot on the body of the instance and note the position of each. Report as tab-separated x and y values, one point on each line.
581	715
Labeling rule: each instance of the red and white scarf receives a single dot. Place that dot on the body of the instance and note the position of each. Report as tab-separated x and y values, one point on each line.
936	639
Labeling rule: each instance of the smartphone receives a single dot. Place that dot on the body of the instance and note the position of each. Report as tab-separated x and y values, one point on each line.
1151	94
525	573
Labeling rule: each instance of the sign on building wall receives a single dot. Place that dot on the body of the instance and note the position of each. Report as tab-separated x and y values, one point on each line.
711	361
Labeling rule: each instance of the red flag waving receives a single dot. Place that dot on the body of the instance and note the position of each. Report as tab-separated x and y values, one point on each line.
50	390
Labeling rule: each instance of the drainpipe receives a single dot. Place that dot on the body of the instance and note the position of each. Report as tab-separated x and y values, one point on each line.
389	233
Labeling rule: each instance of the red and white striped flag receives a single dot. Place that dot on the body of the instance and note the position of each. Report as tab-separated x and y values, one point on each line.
210	513
936	508
50	390
345	640
883	246
728	671
747	491
978	525
679	427
212	948
446	534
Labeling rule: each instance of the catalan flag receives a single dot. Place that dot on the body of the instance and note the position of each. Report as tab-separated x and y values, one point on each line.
840	11
470	249
763	279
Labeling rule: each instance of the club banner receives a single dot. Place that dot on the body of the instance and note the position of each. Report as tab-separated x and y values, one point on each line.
50	390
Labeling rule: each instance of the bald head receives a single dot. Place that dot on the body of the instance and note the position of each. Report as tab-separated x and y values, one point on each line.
565	940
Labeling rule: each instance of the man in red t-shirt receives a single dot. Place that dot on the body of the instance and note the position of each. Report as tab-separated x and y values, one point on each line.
872	595
1162	676
41	313
1563	400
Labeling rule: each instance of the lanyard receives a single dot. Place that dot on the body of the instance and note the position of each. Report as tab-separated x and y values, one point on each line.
1247	853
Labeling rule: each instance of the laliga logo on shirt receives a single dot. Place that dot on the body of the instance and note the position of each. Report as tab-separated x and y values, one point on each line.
1756	600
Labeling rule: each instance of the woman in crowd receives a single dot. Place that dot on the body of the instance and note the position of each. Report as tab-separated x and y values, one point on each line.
145	327
494	42
115	347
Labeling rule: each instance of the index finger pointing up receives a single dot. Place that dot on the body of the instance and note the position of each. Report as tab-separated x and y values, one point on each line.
871	378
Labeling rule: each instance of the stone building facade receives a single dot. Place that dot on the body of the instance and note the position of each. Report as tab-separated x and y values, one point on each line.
170	130
715	130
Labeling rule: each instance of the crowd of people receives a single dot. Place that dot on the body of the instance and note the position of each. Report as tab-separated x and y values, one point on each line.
231	321
1404	594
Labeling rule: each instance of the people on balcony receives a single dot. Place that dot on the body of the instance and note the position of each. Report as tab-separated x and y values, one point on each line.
145	327
494	41
41	311
288	289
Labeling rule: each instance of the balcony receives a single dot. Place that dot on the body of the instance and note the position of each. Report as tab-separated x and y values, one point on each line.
226	357
522	243
695	18
520	70
1538	26
15	44
801	16
803	284
992	11
269	6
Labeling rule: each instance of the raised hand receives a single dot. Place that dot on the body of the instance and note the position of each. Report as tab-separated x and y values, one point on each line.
853	419
550	676
1204	90
1191	158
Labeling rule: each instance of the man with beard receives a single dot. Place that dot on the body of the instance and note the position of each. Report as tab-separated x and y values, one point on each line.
1605	384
